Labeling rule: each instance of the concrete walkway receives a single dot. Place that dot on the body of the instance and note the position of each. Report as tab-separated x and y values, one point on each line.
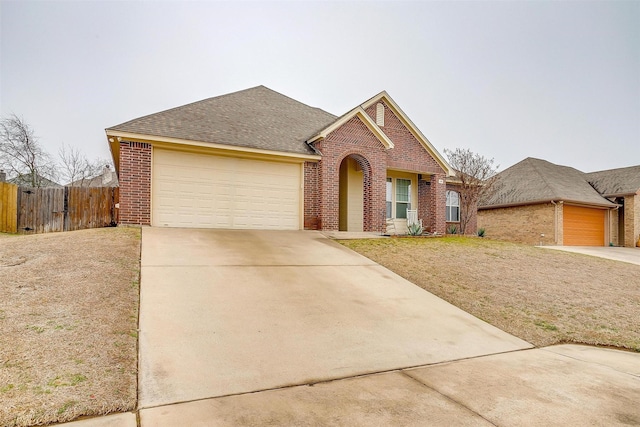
630	255
247	328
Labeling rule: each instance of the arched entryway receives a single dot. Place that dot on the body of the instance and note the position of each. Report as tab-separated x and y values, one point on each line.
354	195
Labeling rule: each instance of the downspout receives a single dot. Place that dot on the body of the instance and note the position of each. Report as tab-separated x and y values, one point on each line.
555	222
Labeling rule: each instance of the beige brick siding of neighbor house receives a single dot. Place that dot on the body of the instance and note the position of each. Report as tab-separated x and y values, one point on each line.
522	224
613	228
631	220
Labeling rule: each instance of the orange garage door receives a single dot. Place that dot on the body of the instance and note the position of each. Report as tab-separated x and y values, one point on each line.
583	226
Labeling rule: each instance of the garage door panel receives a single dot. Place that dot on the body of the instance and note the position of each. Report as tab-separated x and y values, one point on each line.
583	226
197	190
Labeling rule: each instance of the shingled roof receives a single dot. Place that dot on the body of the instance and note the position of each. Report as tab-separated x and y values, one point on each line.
538	181
616	182
256	118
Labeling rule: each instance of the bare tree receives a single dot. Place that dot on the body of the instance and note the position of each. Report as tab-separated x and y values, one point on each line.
476	174
74	167
21	155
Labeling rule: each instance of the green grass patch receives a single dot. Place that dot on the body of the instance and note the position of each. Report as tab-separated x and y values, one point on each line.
68	404
67	381
545	325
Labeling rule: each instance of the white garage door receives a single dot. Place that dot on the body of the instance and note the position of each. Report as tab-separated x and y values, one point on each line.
207	191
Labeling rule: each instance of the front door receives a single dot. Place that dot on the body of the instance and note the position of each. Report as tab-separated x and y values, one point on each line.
351	196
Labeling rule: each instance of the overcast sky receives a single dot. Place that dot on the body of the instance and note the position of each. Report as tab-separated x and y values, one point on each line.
509	80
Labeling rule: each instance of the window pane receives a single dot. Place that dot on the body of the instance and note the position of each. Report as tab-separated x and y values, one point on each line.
401	210
403	190
453	198
453	214
389	197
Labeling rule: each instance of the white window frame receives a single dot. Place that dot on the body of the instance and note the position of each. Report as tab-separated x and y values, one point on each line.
392	196
403	202
452	205
389	198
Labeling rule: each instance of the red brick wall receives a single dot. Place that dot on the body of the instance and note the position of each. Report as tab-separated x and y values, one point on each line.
312	200
407	154
356	140
424	195
437	204
135	183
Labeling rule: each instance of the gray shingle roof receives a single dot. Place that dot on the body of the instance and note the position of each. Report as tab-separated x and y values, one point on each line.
257	118
535	180
615	182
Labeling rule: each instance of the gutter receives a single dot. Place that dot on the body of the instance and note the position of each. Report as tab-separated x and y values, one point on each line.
536	202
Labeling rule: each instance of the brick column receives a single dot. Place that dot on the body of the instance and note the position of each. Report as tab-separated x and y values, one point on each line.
376	222
135	183
424	202
312	196
438	204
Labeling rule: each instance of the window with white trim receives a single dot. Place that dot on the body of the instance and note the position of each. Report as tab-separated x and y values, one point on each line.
398	197
453	206
403	197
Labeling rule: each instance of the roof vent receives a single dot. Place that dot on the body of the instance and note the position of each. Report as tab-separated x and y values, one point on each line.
380	114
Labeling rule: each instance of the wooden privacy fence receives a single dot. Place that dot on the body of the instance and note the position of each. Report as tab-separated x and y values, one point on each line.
44	210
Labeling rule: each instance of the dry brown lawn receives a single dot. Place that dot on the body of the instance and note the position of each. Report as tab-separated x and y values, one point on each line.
542	296
68	322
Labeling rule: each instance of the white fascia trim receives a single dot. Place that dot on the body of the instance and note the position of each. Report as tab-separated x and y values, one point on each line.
412	128
364	117
543	201
136	137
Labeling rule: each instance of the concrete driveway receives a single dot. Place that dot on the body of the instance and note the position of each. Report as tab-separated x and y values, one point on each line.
225	312
630	255
247	328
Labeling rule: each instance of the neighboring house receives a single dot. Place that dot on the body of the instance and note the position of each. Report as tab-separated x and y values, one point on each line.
107	178
26	180
538	202
621	186
257	159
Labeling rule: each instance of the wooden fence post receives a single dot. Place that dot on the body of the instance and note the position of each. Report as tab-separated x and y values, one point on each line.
8	208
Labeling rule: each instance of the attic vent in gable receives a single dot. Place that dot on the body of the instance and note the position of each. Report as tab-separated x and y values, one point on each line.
380	114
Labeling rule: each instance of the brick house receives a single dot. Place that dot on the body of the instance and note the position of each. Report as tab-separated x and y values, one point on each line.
256	159
538	202
621	186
